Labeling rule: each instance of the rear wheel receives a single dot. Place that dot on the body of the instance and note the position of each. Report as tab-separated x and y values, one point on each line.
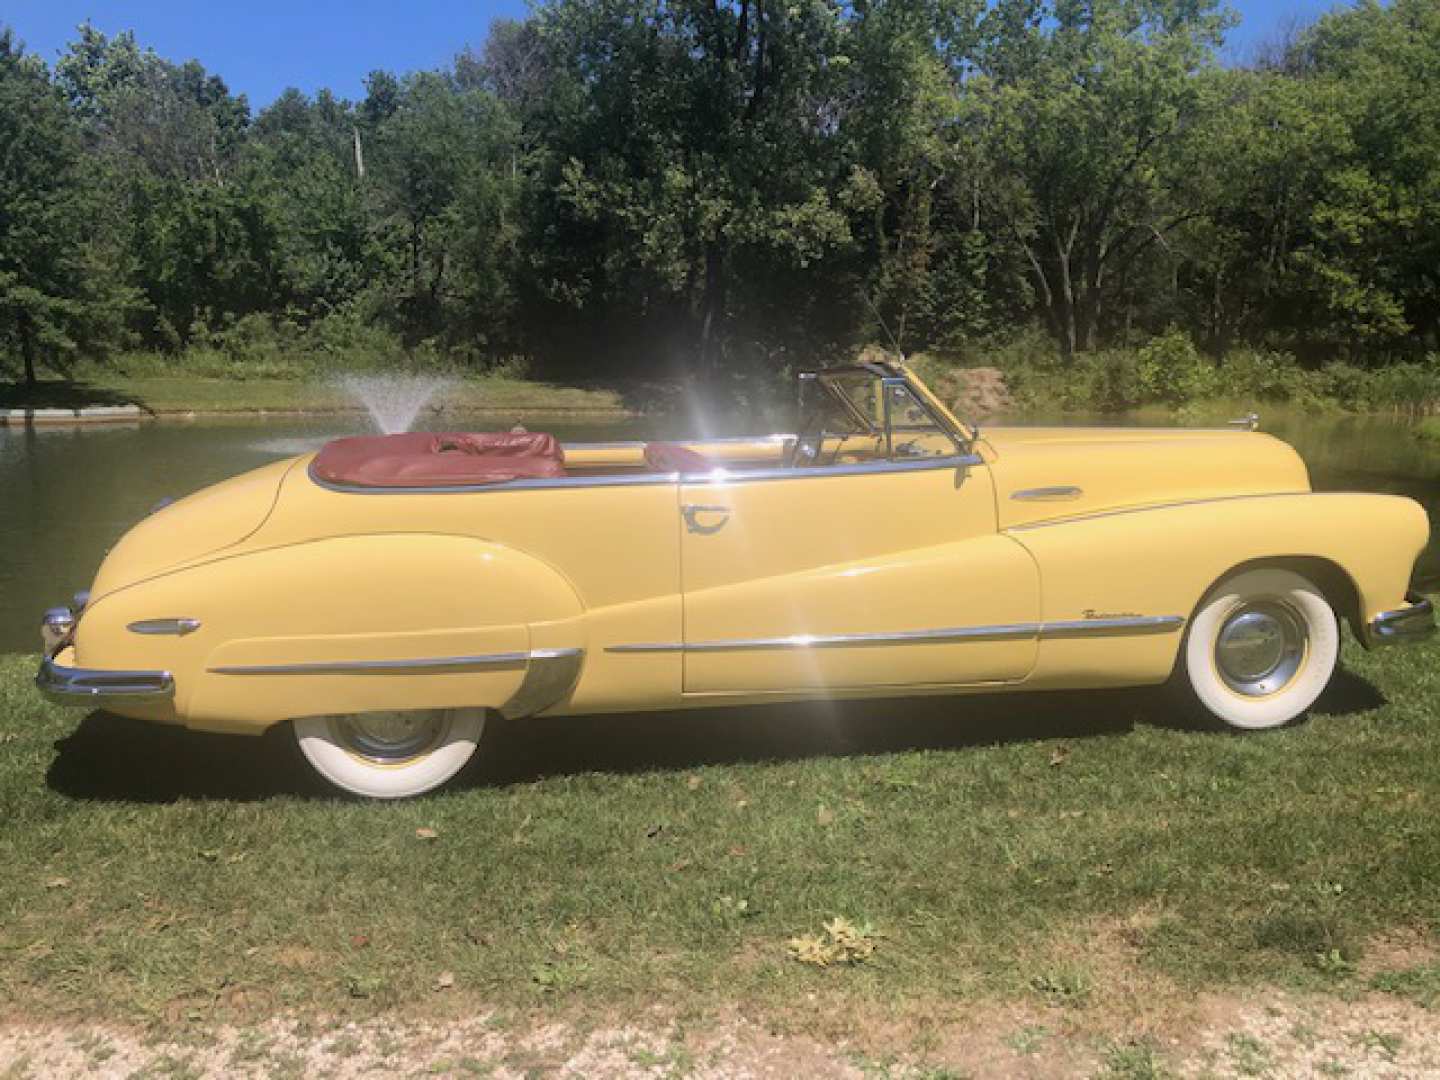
1260	649
390	755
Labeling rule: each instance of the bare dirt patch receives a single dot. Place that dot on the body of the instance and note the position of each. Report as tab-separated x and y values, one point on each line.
1260	1034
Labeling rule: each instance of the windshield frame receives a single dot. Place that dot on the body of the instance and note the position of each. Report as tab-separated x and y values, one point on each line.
888	376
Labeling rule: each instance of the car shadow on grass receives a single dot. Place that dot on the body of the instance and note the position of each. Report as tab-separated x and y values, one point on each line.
111	758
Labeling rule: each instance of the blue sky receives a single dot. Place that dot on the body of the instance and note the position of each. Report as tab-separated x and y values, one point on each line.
263	46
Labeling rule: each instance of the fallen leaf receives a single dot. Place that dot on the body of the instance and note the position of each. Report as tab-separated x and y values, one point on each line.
57	883
1059	756
739	852
445	980
825	816
681	865
653	831
693	782
427	834
359	940
740	804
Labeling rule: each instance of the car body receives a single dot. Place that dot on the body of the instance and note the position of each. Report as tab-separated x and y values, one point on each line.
386	594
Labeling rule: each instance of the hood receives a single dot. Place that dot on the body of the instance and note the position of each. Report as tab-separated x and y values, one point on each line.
213	518
1043	474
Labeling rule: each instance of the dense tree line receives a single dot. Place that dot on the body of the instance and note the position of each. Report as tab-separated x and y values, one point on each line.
639	186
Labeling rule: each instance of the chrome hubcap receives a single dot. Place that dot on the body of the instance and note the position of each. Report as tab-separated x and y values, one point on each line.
389	736
1260	648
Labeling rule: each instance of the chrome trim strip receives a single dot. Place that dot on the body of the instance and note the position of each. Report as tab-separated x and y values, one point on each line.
715	476
348	667
93	688
177	626
870	468
1148	507
615	480
1136	624
549	679
723	440
1140	624
1058	493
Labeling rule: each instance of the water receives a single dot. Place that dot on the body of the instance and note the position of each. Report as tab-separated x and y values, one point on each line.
66	494
393	401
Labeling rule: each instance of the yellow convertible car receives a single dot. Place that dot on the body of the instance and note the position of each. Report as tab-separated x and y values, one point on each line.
385	595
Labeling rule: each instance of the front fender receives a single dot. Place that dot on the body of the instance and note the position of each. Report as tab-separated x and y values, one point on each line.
346	624
1161	560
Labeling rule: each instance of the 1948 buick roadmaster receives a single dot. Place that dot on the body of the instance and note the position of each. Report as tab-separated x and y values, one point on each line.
386	594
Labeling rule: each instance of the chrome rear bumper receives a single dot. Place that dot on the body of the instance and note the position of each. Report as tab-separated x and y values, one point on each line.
95	689
1411	623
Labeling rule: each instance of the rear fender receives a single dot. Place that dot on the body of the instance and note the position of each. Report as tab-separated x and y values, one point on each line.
349	624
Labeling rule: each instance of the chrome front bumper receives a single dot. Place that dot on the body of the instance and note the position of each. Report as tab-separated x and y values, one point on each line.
1411	623
95	689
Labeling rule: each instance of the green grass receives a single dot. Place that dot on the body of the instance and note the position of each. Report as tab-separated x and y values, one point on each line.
180	394
1057	850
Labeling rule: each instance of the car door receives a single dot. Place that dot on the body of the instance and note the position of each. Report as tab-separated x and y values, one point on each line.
852	576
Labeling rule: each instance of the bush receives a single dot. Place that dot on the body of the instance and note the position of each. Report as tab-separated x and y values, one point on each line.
1170	369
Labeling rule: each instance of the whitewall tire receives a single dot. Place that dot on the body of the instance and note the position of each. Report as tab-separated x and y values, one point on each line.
1260	649
390	755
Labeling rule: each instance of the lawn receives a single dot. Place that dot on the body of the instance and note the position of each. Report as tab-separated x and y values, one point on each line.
1070	850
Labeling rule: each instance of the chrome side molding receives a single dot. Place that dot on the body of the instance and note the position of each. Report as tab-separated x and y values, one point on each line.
1134	624
177	626
1249	422
550	674
361	667
1058	493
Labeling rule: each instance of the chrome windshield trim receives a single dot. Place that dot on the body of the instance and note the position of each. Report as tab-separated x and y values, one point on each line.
424	663
179	626
92	688
714	476
1137	624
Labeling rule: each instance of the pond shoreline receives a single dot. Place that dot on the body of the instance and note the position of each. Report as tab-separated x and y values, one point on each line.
134	399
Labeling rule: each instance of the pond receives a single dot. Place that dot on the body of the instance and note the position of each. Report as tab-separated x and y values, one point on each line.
67	493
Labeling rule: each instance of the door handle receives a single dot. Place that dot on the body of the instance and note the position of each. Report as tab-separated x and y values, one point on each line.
692	512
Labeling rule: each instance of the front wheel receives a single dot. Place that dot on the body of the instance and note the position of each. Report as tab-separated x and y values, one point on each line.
1260	649
390	755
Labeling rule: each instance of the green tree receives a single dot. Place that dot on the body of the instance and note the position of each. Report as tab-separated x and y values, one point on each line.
58	292
690	173
1077	110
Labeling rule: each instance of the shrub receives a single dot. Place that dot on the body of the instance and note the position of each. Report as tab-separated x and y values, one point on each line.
1171	370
